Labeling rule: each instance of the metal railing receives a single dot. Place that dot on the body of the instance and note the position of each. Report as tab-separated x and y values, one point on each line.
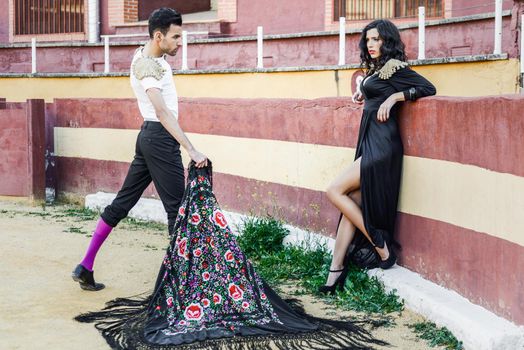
48	16
357	10
342	42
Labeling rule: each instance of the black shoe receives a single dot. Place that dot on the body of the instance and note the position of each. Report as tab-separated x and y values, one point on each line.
85	278
390	261
339	282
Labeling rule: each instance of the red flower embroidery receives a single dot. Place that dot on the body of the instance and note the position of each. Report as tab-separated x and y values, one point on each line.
205	302
181	211
182	323
245	304
206	276
169	301
193	312
195	219
228	256
197	252
219	219
182	246
217	299
263	296
235	292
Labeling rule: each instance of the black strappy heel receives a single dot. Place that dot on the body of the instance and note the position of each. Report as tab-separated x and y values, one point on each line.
339	282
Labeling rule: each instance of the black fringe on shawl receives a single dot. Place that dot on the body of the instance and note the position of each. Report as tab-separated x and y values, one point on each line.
121	323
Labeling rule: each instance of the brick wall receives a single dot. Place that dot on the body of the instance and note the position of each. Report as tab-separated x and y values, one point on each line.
130	11
227	10
115	11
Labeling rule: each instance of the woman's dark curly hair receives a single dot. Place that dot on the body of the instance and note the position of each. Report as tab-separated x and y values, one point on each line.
392	45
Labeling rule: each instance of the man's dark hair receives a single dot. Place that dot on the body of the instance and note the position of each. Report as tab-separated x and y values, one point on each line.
161	19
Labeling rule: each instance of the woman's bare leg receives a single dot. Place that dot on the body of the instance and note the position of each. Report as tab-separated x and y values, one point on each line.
345	234
347	182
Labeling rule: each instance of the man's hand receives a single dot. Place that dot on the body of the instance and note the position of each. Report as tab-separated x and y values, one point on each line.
199	159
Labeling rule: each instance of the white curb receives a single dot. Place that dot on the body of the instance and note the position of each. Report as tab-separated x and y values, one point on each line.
476	327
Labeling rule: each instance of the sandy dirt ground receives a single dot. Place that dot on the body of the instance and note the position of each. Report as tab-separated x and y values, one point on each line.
40	247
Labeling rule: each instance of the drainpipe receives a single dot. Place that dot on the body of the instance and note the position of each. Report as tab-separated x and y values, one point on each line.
94	21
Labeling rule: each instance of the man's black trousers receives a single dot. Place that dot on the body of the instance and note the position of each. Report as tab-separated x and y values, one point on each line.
157	159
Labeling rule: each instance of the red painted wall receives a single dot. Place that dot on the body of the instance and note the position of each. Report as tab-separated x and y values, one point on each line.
4	21
14	155
473	263
441	41
145	7
277	16
468	7
22	159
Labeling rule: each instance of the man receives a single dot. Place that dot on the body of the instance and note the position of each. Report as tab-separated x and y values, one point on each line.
157	153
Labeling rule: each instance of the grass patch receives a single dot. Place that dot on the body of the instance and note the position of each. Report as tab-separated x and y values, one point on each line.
79	213
261	240
436	336
38	213
74	229
136	225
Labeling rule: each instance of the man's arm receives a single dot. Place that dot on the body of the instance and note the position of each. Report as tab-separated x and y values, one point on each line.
169	122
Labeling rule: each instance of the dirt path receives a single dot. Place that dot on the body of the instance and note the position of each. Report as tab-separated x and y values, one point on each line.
39	299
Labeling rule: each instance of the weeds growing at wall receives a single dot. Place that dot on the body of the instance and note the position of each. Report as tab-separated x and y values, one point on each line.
436	336
306	267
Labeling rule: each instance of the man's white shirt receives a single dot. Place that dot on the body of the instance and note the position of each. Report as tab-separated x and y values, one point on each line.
152	72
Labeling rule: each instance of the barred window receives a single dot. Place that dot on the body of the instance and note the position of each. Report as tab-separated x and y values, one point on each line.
375	9
49	16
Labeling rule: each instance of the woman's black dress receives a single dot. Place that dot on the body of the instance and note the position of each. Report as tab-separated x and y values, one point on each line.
380	147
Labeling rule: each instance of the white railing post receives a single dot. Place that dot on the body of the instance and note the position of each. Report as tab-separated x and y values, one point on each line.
184	50
260	47
106	54
498	27
342	41
421	33
33	55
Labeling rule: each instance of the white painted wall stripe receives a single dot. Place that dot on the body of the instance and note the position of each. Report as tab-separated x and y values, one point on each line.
463	195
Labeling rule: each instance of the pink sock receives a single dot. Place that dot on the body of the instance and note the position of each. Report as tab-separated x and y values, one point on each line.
100	234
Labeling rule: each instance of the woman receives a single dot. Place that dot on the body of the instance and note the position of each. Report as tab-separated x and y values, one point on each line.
367	191
208	295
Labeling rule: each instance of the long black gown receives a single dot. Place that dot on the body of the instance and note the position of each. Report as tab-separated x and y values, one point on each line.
380	146
208	295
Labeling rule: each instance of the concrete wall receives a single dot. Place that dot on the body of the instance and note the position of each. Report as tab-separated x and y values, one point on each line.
452	79
145	7
462	195
22	159
448	40
468	7
4	21
276	16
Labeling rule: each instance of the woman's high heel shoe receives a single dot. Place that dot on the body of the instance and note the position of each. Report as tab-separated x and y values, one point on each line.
339	282
390	261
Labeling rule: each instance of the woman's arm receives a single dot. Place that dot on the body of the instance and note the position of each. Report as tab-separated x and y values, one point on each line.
410	86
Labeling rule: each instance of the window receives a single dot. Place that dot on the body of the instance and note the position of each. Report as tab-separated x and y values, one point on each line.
48	16
355	10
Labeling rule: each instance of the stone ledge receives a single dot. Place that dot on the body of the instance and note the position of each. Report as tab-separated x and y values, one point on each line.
428	61
476	327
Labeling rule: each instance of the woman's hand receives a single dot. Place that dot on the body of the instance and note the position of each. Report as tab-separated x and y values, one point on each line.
385	107
358	97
